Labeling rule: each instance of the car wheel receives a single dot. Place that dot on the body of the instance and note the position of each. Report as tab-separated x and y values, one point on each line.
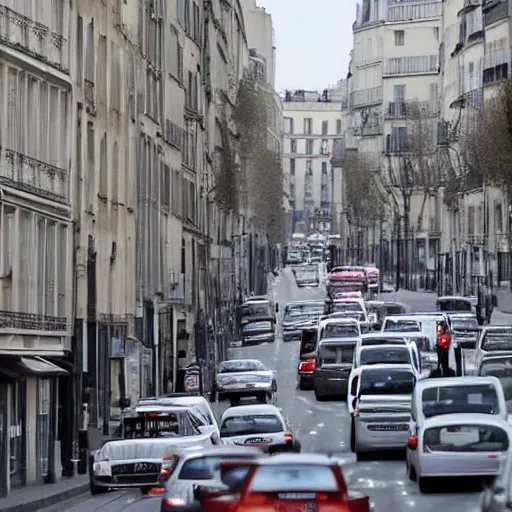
274	386
425	485
360	456
96	489
145	490
320	398
353	437
411	472
262	399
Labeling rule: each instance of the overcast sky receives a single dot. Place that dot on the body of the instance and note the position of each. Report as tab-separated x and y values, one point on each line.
313	40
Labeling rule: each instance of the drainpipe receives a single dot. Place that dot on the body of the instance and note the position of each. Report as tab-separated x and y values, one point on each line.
156	343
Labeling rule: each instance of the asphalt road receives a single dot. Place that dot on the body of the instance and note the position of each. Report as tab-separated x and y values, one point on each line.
322	427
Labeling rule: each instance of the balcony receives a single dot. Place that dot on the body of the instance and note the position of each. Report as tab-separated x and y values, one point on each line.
15	321
420	65
33	176
366	97
494	11
396	110
33	38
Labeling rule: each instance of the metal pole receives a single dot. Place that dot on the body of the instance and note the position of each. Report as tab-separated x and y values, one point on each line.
381	256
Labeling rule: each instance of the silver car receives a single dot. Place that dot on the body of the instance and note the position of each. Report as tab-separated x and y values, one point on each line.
136	460
200	468
382	408
261	426
242	378
473	445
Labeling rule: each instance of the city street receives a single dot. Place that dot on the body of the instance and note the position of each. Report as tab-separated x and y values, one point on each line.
321	427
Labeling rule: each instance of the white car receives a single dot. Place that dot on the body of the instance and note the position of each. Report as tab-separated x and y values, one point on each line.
261	426
473	445
493	340
388	354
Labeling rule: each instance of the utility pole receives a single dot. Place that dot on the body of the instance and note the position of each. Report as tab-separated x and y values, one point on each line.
381	255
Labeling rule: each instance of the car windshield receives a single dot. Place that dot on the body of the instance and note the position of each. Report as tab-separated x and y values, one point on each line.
502	369
392	355
466	438
349	307
306	308
340	331
497	340
257	309
476	398
205	468
293	478
461	324
241	366
258	326
336	354
251	424
387	382
402	326
161	424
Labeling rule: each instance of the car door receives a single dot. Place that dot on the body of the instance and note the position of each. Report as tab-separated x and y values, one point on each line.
353	388
412	455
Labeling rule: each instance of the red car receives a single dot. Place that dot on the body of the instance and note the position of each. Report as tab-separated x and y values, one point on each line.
288	483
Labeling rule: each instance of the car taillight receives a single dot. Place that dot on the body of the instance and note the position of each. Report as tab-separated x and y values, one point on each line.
307	366
412	443
173	502
288	437
165	472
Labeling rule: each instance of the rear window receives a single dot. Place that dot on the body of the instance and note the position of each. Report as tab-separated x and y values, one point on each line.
251	424
349	307
336	354
340	331
257	326
494	341
395	355
387	382
366	342
461	324
466	438
476	398
241	366
394	310
502	369
402	326
204	468
294	478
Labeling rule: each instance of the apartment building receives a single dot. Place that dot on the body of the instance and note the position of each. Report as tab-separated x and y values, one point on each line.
262	68
395	64
312	120
117	266
36	276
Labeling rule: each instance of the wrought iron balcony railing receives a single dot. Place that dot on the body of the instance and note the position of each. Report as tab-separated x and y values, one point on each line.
25	173
33	38
33	322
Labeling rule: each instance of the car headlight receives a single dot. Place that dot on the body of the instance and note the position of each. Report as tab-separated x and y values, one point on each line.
100	457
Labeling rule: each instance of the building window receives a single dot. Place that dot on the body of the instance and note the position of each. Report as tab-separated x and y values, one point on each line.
309	146
324	168
399	37
324	147
308	126
325	127
288	125
309	167
338	126
292	167
293	145
498	218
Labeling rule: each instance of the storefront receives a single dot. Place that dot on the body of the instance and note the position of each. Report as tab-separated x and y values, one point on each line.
29	414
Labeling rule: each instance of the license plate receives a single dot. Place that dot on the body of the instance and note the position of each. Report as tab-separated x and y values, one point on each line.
303	507
258	440
250	385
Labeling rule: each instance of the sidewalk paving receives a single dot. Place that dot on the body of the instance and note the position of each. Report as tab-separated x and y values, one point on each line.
34	498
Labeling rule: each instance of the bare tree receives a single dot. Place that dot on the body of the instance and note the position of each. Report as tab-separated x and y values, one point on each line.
492	141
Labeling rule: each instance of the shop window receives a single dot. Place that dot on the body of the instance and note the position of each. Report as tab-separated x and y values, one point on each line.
43	426
17	434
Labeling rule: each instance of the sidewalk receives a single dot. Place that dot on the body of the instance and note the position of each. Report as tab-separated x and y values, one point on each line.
34	498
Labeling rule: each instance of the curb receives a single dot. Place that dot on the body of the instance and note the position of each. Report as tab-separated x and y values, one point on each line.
43	502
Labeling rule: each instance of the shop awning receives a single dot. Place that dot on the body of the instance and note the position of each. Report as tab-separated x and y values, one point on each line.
23	367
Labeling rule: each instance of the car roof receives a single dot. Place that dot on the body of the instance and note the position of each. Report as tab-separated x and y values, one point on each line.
386	367
382	335
298	458
470	380
338	321
220	451
413	316
384	347
466	419
242	410
497	328
242	361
